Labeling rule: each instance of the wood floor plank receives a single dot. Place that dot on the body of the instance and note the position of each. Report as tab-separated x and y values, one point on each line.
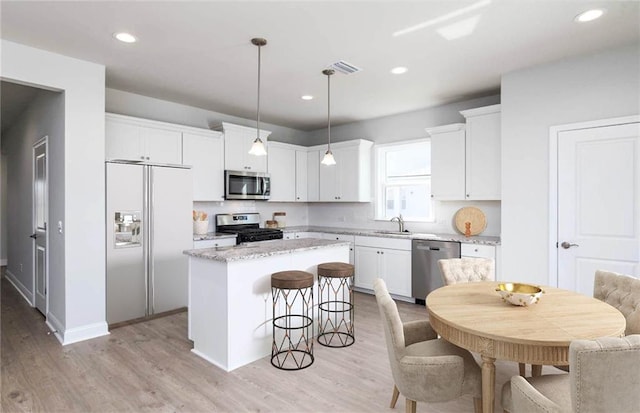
148	367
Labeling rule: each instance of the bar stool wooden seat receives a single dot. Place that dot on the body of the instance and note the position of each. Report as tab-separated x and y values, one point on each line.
335	308
293	329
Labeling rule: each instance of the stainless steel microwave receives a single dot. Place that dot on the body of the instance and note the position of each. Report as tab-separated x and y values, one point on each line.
246	185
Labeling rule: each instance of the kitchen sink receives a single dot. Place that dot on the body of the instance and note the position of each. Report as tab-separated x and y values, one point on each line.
393	232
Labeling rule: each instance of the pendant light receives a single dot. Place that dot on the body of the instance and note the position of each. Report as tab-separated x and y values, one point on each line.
258	148
328	155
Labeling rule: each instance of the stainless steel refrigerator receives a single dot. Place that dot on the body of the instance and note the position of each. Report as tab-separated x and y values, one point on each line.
149	224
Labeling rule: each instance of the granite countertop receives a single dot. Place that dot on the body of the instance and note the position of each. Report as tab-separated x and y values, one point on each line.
211	236
484	240
262	249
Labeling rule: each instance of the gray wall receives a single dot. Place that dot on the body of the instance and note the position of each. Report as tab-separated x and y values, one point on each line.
394	128
44	117
590	87
125	103
3	209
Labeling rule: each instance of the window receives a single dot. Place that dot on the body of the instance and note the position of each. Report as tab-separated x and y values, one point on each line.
403	184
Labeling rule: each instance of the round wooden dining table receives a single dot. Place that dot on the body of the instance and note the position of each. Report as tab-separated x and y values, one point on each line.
474	316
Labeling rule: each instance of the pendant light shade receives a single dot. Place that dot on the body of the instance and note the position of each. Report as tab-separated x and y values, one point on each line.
328	156
258	148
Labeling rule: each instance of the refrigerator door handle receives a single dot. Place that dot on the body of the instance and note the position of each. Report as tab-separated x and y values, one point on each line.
151	278
146	231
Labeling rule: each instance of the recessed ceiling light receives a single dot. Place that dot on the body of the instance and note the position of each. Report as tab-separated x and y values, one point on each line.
125	37
589	15
306	97
399	70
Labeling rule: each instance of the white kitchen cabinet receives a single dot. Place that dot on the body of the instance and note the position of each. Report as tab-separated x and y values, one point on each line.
483	166
343	237
349	180
140	140
237	143
481	251
313	174
465	158
282	169
306	234
302	173
212	243
204	151
389	259
448	162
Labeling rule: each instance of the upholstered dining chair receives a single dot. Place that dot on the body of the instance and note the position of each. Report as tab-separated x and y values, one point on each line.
464	270
604	377
425	368
622	292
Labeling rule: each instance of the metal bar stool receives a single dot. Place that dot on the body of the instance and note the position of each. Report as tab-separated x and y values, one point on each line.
335	308
292	347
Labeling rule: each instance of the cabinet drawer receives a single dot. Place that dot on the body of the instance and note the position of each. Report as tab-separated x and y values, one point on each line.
478	251
211	243
339	237
382	242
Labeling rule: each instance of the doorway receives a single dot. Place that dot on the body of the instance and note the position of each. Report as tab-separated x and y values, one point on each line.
594	201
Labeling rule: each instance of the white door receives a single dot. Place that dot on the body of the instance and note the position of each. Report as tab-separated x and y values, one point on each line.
598	204
40	209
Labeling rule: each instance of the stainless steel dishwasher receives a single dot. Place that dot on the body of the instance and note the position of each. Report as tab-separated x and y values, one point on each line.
425	273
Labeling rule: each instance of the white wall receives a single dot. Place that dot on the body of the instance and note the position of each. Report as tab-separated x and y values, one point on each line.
590	87
80	312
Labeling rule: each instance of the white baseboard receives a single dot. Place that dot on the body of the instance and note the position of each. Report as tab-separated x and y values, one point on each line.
24	291
86	332
55	326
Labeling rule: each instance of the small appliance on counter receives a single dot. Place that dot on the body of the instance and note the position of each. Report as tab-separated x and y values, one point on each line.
246	226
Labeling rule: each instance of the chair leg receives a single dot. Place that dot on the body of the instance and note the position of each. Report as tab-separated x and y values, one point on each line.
411	406
394	397
536	370
477	404
522	367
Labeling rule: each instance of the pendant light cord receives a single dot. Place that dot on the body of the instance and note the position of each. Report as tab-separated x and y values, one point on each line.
329	111
258	110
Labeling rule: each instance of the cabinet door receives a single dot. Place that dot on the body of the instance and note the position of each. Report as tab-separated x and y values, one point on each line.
234	151
206	156
123	141
448	165
282	168
367	266
348	174
162	146
301	176
341	237
289	235
483	157
313	175
396	270
328	182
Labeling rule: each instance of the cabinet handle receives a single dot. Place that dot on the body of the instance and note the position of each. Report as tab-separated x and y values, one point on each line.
142	157
467	195
431	195
147	158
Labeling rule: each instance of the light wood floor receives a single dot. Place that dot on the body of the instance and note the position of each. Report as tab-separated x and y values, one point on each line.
148	367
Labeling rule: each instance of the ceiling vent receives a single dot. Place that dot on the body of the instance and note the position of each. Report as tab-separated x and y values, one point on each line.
344	67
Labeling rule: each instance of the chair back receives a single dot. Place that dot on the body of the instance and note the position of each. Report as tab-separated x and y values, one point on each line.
605	374
622	292
464	270
393	328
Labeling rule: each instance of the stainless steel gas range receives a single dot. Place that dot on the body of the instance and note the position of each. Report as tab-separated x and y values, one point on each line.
246	226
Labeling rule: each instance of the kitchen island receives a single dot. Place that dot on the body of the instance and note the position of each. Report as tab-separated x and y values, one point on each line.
230	304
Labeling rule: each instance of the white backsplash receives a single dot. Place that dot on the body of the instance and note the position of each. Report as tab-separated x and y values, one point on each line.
352	215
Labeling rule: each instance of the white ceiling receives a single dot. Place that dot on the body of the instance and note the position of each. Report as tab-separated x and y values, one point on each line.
199	53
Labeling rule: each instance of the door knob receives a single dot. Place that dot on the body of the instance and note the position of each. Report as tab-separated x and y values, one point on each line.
567	245
34	236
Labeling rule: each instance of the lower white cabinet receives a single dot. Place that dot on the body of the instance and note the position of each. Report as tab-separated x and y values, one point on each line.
212	243
481	251
341	237
389	259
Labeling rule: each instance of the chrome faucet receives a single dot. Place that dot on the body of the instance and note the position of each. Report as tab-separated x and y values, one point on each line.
400	222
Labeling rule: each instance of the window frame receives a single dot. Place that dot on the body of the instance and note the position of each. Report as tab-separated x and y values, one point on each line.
380	187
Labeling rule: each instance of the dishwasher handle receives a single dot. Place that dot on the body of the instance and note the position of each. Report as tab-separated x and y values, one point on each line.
427	247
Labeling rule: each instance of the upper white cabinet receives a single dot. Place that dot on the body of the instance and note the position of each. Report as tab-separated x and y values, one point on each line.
282	168
313	174
204	151
349	180
302	173
483	152
237	143
141	140
448	161
465	159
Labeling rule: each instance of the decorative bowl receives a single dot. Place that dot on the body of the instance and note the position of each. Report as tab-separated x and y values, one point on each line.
520	294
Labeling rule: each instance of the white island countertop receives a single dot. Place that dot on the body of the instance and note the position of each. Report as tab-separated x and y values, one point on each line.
262	249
